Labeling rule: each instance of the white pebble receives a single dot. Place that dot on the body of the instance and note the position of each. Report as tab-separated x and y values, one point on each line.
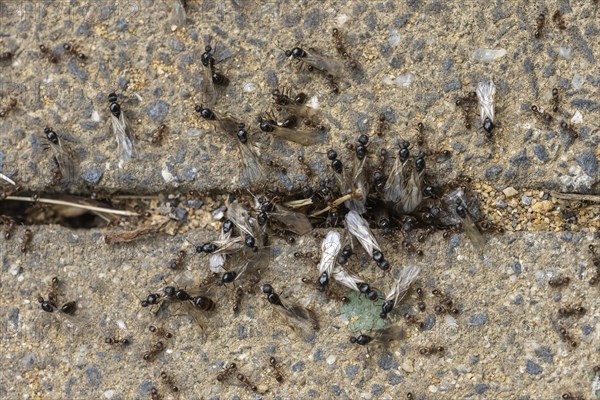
488	55
313	102
194	132
109	394
565	52
408	366
403	80
366	395
249	87
14	269
95	116
450	321
121	324
394	39
432	388
331	360
577	82
341	19
167	176
577	118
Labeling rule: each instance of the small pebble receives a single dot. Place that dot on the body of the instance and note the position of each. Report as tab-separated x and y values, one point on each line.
543	206
478	319
394	38
249	87
404	80
318	355
488	55
92	175
407	366
545	354
298	367
387	361
394	379
565	52
351	371
533	368
516	268
481	388
588	162
577	81
510	192
331	359
587	329
526	200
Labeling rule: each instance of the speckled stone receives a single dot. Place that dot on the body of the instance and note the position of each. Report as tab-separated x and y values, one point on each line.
532	368
478	319
588	162
92	175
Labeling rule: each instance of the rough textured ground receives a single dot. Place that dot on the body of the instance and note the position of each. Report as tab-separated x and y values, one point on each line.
506	345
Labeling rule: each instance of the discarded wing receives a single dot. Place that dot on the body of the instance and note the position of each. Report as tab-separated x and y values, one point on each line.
330	248
405	279
457	204
359	228
403	187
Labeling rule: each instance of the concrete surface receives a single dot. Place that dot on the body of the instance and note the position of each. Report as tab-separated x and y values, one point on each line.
506	344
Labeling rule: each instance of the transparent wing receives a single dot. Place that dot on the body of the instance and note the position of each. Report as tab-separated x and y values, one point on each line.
67	161
322	63
358	183
302	320
393	186
407	276
359	228
208	91
123	137
485	93
250	162
330	248
412	194
347	279
240	218
303	136
293	221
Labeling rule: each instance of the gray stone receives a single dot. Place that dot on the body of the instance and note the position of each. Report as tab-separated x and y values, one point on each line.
157	111
545	354
521	159
376	389
76	70
516	267
585	104
481	388
313	19
428	322
394	379
532	368
176	45
540	152
298	367
92	175
478	319
452	85
387	361
335	389
493	172
93	376
351	371
587	329
588	163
